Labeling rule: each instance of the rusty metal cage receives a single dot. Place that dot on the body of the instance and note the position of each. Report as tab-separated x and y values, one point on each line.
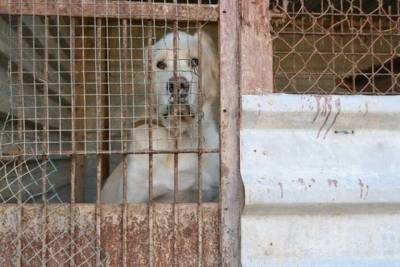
81	100
336	47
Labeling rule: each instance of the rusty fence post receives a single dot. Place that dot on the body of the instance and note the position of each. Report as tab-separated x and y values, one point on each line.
230	196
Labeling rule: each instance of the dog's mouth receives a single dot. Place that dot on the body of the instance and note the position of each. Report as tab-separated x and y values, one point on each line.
179	112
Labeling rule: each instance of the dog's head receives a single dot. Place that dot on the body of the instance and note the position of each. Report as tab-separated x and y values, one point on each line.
177	92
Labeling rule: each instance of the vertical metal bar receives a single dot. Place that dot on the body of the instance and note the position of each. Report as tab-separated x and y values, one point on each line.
200	148
176	131
73	144
230	201
149	111
256	68
125	136
99	169
20	119
149	91
45	135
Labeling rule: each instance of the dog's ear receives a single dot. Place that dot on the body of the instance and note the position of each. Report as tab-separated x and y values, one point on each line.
209	64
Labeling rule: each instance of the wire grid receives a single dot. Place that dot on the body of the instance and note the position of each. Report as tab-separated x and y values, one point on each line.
99	102
59	108
26	180
337	47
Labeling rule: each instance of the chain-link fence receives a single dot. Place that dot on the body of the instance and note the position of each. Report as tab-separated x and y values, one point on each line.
337	47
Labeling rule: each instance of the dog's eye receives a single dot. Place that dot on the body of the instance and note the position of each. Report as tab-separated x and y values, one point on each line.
194	62
161	65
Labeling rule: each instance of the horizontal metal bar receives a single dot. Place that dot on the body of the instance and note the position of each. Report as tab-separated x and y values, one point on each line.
115	152
111	9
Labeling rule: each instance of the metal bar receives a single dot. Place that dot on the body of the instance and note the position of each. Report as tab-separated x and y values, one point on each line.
200	148
99	162
176	135
255	36
20	127
73	144
230	201
111	9
45	136
149	91
119	152
125	137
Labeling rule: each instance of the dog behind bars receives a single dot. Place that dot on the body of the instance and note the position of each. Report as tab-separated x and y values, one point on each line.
174	124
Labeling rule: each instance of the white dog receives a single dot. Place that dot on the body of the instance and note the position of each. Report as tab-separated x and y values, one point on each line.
175	118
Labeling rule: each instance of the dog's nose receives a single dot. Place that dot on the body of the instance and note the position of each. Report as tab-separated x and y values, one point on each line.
179	86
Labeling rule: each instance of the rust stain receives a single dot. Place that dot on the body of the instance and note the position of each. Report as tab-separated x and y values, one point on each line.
59	238
281	188
318	100
366	109
137	235
360	183
111	234
366	191
338	108
301	181
332	182
326	111
8	230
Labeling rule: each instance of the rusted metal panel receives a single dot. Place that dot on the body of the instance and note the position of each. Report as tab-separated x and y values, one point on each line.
163	234
111	9
31	234
9	215
111	233
210	235
256	63
186	235
84	234
57	235
229	128
137	235
59	240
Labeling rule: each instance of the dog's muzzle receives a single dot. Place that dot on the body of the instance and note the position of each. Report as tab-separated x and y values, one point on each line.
178	89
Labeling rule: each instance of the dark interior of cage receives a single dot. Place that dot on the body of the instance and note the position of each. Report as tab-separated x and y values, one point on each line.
336	47
52	116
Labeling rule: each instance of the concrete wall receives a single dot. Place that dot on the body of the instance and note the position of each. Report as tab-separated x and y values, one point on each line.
322	180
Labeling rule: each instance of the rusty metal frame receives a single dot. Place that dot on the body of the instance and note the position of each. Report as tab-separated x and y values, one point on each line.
111	9
229	207
230	200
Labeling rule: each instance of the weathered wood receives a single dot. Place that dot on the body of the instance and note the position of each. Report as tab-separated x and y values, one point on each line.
111	9
256	62
229	132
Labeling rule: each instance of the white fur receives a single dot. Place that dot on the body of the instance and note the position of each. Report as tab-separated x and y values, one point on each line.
164	133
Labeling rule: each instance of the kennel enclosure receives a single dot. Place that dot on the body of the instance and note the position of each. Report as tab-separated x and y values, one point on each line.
79	76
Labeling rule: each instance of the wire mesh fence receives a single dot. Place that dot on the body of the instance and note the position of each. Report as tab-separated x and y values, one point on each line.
336	47
93	88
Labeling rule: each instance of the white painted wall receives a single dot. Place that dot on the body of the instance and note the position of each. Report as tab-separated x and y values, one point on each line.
322	180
